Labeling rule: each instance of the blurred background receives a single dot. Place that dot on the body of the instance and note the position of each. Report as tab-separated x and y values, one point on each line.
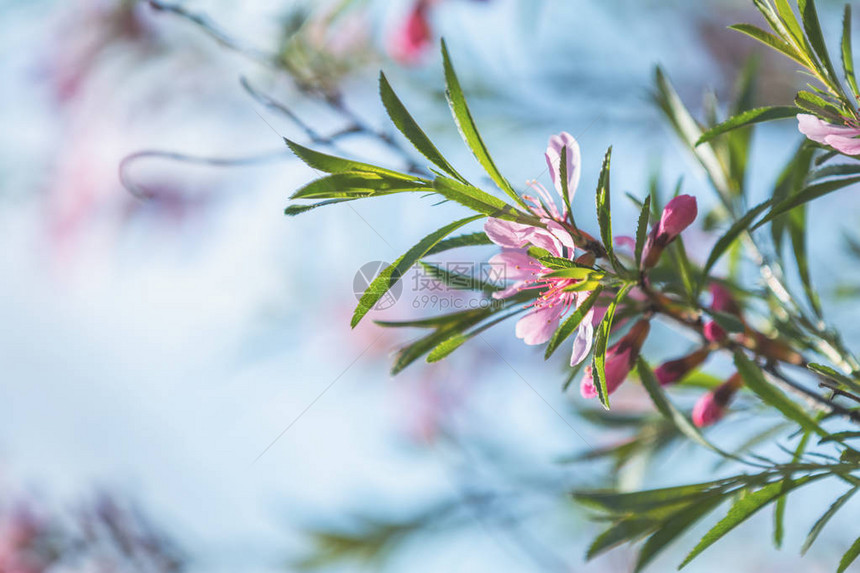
179	386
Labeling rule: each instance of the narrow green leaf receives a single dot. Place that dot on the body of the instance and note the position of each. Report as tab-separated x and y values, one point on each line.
410	129
598	369
604	214
572	322
832	374
476	239
480	201
394	272
749	117
806	195
458	281
812	26
745	506
332	164
445	348
817	105
769	40
772	396
294	210
625	531
673	527
640	502
468	129
667	409
848	53
849	557
797	234
642	230
356	185
840	437
563	177
822	521
789	19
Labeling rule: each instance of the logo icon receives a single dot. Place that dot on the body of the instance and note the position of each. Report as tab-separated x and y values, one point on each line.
367	274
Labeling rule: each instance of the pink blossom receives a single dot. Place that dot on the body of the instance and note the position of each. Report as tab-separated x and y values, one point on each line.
414	36
678	214
842	138
674	370
713	332
723	301
619	361
712	406
554	300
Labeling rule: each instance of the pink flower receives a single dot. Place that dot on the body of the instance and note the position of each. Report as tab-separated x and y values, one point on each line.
554	236
552	303
619	361
842	138
678	214
414	36
713	332
723	301
712	406
674	370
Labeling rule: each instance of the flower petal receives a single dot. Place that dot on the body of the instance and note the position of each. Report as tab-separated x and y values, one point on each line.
574	161
516	263
506	233
538	326
582	342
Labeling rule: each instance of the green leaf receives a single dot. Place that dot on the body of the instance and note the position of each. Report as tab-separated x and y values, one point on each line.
745	506
604	215
468	129
769	40
673	527
469	240
690	131
749	117
294	210
411	130
789	19
832	374
770	395
601	340
445	348
457	322
806	195
817	105
331	164
458	281
640	502
848	53
642	230
394	272
563	177
625	531
849	557
797	234
822	521
668	410
809	17
480	201
572	323
356	185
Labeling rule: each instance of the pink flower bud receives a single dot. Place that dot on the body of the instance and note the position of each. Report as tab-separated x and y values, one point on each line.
678	214
619	360
723	301
714	332
413	37
674	370
712	406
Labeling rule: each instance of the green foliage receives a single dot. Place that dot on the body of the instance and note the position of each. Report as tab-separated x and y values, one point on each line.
601	341
392	274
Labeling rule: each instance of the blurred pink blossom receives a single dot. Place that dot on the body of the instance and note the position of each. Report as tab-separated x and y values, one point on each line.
842	138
